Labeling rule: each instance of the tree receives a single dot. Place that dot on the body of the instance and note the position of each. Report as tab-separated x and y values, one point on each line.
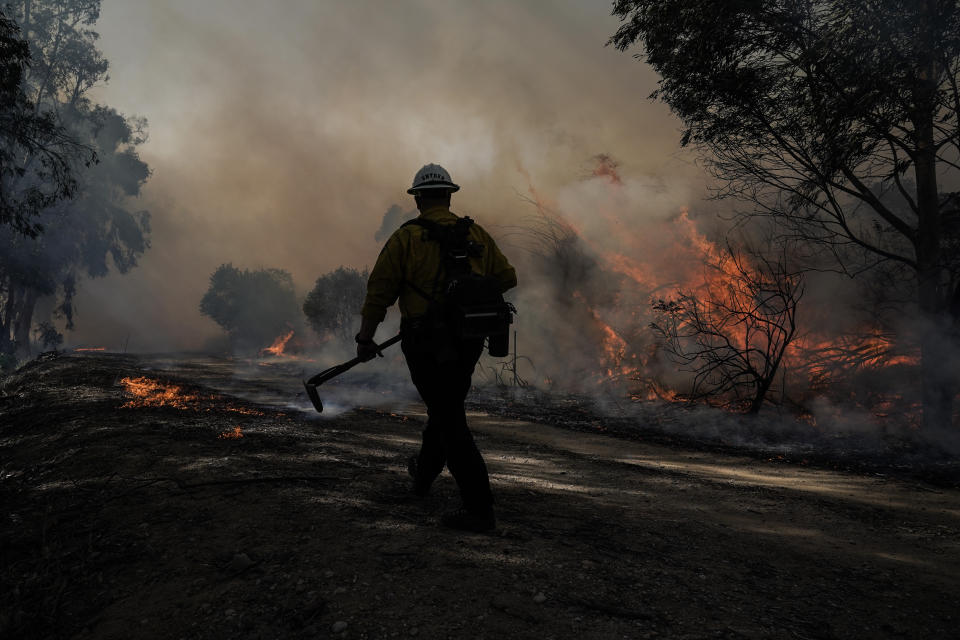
392	219
98	227
733	333
36	153
85	236
805	109
333	305
253	307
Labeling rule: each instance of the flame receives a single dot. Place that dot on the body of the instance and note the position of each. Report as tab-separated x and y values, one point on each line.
607	168
660	259
652	390
151	393
278	346
631	268
90	349
244	411
236	434
147	392
871	350
287	346
615	352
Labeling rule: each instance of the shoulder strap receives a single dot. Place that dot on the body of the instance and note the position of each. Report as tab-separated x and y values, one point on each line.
455	248
459	228
429	225
435	232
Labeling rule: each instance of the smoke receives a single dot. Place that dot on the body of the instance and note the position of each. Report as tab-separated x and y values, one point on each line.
279	137
286	138
591	257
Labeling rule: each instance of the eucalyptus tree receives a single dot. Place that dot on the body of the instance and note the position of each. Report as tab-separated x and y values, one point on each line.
97	225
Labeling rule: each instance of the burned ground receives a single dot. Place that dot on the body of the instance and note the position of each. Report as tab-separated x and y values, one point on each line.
158	522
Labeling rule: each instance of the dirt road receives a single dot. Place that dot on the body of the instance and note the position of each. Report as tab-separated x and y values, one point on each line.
158	522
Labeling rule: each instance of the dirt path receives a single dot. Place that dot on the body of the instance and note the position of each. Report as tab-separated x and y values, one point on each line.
145	522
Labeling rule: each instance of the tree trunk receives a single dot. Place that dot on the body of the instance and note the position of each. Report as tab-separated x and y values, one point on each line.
10	304
936	377
757	403
22	323
6	319
27	18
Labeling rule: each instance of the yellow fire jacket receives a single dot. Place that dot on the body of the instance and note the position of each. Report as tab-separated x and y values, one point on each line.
409	257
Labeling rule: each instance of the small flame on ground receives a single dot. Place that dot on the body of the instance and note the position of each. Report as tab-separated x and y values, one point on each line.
147	392
278	346
151	393
244	411
236	434
90	349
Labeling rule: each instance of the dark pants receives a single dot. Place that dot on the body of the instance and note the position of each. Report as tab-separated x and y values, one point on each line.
443	382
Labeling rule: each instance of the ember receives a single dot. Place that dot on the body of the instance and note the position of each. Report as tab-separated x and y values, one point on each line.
147	392
236	434
244	411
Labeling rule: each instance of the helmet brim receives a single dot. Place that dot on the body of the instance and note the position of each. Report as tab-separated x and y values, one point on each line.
449	187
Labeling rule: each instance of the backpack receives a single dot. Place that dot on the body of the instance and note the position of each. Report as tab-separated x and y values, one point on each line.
464	304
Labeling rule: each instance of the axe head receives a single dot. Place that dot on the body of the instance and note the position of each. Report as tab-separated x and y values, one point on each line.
311	383
313	395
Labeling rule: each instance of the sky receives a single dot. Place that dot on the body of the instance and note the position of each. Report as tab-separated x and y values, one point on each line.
280	134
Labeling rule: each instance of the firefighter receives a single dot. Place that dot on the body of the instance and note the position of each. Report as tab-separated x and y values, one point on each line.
409	271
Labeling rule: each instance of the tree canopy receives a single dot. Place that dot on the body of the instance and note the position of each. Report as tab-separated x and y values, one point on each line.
36	152
333	305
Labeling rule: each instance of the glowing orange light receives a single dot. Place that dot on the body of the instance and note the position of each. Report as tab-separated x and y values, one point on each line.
236	434
278	346
151	393
147	392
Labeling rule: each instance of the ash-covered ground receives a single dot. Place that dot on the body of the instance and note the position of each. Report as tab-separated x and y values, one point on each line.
217	504
885	447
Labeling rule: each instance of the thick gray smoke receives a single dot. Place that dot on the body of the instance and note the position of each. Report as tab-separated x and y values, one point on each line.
279	136
284	149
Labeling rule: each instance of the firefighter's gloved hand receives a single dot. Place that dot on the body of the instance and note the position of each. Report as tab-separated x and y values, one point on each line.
368	350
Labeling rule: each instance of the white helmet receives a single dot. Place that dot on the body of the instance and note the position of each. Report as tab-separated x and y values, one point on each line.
432	176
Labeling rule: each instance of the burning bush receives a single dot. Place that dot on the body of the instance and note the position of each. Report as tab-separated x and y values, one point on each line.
733	333
746	326
850	155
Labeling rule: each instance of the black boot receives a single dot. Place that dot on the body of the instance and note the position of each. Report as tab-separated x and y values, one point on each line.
419	488
473	521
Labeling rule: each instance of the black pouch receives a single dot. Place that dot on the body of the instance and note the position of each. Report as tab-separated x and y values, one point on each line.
428	335
475	309
498	345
